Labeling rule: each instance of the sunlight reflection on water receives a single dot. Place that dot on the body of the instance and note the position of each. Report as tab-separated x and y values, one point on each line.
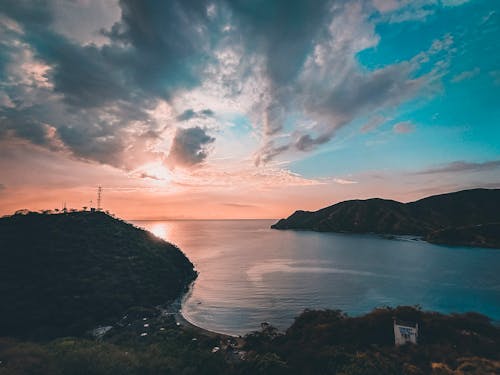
249	273
160	229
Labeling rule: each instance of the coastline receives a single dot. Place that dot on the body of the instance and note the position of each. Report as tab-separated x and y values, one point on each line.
188	326
181	321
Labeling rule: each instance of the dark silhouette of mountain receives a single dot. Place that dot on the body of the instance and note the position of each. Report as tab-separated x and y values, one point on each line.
425	217
481	235
63	274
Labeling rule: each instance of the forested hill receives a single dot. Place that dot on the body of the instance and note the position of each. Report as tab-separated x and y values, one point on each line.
462	211
62	274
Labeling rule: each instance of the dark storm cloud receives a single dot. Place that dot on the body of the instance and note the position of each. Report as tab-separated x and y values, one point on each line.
166	42
26	128
106	136
284	30
82	74
34	13
154	49
156	45
189	147
88	144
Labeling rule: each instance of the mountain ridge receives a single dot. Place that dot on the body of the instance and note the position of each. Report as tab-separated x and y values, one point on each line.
423	217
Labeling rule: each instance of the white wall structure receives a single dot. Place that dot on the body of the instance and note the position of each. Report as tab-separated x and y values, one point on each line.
405	332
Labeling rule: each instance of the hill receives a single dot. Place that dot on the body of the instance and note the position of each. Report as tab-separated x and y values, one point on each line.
63	274
457	211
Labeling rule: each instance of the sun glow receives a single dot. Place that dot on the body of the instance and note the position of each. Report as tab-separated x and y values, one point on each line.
160	230
156	171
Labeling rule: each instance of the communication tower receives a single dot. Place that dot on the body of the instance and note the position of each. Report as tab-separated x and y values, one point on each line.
99	193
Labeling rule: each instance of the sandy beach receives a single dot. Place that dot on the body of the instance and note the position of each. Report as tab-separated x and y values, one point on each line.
188	326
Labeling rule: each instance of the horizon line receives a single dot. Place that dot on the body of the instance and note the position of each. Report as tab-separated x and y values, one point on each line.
207	219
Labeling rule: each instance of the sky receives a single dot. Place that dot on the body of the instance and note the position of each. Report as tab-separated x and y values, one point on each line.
219	109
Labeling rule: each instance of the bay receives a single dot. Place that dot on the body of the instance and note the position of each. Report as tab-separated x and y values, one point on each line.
249	273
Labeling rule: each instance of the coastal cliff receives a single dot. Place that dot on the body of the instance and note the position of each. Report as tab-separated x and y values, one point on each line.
440	218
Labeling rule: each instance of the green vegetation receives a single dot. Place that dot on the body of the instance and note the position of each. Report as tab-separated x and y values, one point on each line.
453	218
319	342
66	273
328	342
170	351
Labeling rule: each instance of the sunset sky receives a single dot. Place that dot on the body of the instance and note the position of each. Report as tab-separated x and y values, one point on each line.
245	109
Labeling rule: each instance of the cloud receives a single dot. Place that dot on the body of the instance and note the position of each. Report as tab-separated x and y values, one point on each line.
462	166
239	205
453	3
307	143
98	91
269	151
6	101
150	176
2	187
82	21
69	97
403	127
466	75
419	14
386	5
189	114
332	89
165	43
372	124
189	147
283	31
290	67
342	181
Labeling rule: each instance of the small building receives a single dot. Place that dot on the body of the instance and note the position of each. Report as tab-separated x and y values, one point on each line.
405	332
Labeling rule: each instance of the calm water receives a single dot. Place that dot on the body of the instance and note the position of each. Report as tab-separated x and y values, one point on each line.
249	273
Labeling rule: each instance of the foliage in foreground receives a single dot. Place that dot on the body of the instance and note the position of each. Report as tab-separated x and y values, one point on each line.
329	342
319	342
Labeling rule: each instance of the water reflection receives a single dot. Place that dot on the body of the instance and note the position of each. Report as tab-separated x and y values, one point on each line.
249	274
159	229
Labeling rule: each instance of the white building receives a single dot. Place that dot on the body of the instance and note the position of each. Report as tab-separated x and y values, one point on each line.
405	332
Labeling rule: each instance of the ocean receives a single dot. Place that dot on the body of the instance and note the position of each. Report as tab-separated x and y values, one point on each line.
249	273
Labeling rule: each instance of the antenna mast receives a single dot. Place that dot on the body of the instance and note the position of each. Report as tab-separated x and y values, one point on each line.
99	192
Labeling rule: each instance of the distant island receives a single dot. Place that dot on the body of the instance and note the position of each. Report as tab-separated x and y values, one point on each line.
63	274
463	218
